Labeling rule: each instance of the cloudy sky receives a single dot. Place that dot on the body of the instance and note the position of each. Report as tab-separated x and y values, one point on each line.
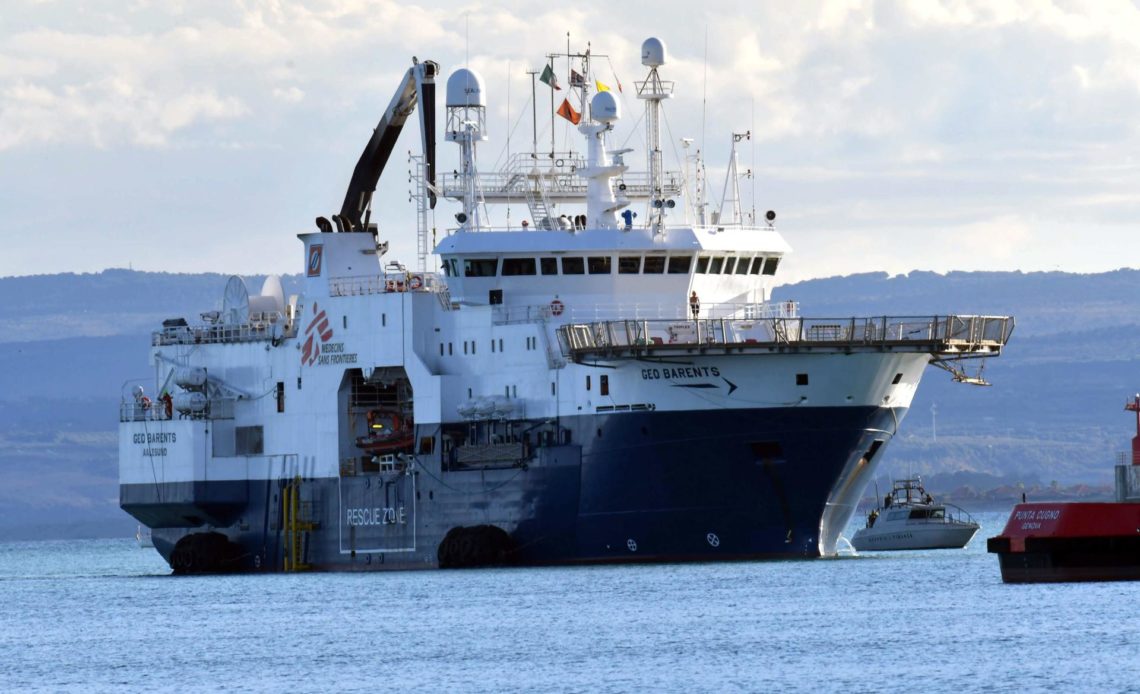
204	135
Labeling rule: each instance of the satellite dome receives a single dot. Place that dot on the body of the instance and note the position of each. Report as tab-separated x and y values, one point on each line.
465	88
653	52
604	107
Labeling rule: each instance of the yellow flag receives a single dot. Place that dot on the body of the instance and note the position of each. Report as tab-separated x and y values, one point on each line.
601	87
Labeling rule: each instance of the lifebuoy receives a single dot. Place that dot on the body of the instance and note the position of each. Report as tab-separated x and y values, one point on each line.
557	307
416	282
559	163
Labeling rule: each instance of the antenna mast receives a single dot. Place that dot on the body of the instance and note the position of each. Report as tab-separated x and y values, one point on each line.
653	90
466	125
732	183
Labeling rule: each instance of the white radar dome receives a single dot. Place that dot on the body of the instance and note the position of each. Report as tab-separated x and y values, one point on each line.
604	107
653	53
465	88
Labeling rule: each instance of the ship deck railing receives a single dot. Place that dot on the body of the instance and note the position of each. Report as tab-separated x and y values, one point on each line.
256	330
670	311
155	411
953	335
560	181
387	283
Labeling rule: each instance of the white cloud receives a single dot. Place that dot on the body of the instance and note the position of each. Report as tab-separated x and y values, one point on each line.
879	125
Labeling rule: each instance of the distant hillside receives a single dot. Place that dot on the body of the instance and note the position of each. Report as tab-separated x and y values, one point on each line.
112	302
70	345
1044	303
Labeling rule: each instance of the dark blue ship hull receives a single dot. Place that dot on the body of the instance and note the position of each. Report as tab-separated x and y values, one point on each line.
621	487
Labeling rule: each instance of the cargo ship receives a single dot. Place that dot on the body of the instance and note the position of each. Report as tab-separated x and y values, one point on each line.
1077	541
607	380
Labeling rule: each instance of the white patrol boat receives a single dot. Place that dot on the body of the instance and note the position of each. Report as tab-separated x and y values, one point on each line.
911	519
575	388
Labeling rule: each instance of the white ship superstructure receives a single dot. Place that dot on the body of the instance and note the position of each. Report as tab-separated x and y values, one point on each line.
552	395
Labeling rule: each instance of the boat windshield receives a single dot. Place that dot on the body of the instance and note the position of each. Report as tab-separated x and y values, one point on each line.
928	513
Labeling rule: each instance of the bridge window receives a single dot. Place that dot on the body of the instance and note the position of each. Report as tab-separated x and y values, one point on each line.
716	265
770	266
742	266
573	266
518	266
549	266
479	267
680	264
729	263
757	263
629	264
702	266
600	265
654	265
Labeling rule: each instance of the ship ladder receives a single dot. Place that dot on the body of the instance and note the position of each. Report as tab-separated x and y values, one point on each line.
297	523
537	202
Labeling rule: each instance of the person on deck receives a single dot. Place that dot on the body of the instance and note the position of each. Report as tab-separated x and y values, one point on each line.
695	305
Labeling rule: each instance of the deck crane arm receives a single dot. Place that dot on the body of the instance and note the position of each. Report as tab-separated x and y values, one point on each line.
418	85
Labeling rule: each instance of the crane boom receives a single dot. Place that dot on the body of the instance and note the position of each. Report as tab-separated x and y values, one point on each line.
418	85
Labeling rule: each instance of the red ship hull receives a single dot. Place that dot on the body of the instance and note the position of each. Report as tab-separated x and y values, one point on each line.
1060	542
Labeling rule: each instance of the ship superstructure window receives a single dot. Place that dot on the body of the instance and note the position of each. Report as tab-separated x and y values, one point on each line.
281	396
629	264
604	384
600	265
702	265
680	264
742	266
654	265
716	266
757	263
573	266
248	441
801	379
770	266
518	266
479	267
549	265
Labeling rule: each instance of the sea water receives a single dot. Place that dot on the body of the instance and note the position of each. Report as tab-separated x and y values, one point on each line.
105	615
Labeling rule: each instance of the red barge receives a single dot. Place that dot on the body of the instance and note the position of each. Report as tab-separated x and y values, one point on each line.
1076	541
